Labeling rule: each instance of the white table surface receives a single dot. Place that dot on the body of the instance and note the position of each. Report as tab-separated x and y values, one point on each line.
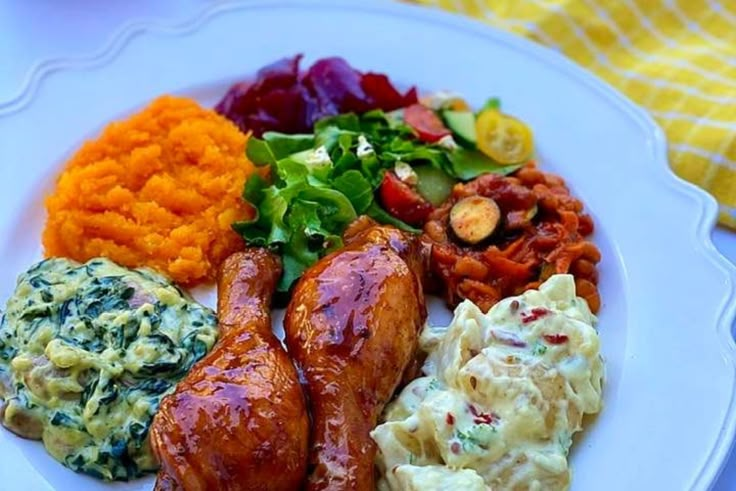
35	30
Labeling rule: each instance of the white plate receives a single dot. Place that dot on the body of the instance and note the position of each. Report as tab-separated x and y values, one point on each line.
668	297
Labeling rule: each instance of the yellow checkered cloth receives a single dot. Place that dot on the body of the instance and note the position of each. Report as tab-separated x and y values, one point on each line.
676	58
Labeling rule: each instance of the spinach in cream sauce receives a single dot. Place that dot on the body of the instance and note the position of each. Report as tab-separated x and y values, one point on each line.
87	352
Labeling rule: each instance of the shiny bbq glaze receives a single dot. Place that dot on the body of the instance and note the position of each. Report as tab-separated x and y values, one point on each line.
352	326
238	421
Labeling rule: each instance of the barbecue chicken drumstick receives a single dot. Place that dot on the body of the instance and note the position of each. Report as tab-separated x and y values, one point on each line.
352	327
238	421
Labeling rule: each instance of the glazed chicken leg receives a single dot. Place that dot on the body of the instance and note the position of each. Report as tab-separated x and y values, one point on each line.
352	327
238	421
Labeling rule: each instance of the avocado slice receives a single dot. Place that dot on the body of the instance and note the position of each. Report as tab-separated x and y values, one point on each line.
462	125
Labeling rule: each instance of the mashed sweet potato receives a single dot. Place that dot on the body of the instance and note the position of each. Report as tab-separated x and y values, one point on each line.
159	189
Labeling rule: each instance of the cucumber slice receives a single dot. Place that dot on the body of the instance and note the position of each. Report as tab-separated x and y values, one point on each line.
433	184
462	125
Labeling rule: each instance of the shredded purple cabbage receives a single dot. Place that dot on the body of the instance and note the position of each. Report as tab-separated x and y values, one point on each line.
281	98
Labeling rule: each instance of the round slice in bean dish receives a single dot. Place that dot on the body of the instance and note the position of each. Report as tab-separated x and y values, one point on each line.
541	231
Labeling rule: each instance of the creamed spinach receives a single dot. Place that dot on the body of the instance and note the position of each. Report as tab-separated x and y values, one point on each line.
87	352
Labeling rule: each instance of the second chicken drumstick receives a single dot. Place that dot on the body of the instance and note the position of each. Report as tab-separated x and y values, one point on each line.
352	327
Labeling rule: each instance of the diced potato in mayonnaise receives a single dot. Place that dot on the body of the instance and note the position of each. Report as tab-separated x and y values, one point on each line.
502	395
422	478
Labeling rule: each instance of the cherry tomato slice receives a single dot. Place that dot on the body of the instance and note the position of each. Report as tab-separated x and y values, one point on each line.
503	138
401	201
425	122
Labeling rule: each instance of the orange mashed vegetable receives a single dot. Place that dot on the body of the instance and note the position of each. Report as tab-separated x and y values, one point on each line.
159	189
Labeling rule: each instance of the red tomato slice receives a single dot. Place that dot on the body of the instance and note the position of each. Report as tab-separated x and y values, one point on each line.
401	201
425	122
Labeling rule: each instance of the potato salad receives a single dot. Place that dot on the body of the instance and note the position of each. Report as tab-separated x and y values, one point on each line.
501	396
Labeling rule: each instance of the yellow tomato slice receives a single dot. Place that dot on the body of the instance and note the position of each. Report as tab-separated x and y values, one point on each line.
503	138
459	105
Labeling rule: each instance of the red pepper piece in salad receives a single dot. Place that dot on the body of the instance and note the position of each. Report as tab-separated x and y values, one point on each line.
555	338
534	314
480	417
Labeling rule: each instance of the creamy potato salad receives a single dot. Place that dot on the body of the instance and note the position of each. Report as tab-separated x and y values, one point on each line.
502	395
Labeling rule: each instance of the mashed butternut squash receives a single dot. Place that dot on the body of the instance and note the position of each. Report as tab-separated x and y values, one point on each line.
159	189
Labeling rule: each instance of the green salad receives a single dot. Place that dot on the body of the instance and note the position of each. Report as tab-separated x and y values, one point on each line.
392	166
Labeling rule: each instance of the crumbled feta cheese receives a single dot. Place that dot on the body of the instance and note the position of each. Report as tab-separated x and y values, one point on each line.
441	100
364	148
319	156
405	173
447	142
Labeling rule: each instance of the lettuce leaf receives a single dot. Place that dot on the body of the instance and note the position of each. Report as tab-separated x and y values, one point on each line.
320	182
357	188
469	164
283	145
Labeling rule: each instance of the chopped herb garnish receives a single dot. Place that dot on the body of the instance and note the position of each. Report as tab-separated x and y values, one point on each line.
539	349
476	438
434	384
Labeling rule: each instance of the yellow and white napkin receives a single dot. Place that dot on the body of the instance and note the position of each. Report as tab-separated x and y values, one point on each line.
675	58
